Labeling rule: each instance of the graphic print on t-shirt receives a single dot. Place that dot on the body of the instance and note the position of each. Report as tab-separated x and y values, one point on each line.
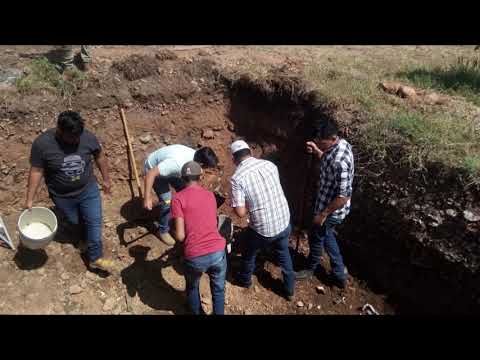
73	166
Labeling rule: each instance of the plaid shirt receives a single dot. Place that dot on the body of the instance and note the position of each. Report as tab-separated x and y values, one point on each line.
336	177
256	183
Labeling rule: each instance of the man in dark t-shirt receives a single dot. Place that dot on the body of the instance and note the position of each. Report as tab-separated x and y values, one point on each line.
194	210
63	156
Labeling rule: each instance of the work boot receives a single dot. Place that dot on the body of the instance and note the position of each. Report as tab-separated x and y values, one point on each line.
304	275
166	238
103	264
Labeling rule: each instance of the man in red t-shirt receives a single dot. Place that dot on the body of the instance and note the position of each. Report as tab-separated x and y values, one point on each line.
194	210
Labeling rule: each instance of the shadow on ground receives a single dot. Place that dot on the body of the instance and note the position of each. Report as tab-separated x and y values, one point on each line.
27	259
144	278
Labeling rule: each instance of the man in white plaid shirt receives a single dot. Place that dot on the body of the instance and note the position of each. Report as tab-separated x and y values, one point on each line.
256	191
332	203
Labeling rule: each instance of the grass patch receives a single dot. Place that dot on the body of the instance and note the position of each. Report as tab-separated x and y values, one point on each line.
460	78
43	75
426	138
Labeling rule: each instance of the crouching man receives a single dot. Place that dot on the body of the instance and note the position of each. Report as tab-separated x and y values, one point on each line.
63	155
162	169
194	211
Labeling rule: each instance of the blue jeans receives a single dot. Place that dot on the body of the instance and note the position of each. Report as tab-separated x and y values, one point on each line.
215	265
88	205
321	237
162	189
282	253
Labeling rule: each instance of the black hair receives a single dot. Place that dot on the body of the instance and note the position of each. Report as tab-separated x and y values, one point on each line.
71	123
206	157
240	154
324	127
189	178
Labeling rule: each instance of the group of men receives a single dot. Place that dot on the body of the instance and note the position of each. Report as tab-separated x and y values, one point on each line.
64	156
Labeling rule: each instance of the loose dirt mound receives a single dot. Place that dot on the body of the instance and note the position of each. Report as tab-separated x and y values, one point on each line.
136	67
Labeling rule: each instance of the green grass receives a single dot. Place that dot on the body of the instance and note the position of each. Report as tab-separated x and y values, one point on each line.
460	78
41	74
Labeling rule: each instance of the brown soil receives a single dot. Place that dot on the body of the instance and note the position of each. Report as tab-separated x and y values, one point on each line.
173	100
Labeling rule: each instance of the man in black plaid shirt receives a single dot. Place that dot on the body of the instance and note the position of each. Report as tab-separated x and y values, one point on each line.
332	203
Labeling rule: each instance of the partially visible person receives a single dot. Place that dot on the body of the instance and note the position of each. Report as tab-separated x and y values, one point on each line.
66	58
257	192
332	202
194	211
63	155
163	168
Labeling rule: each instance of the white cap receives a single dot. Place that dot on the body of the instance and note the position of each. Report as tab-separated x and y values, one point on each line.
238	145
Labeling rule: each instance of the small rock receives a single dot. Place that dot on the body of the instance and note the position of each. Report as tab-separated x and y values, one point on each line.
300	304
390	87
206	301
65	276
163	113
310	306
208	134
256	289
231	127
406	92
145	139
320	290
470	216
319	307
433	98
109	304
75	289
451	212
217	128
5	171
99	95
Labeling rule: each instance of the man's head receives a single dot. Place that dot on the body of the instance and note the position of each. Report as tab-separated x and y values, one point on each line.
240	151
325	133
191	172
206	157
70	127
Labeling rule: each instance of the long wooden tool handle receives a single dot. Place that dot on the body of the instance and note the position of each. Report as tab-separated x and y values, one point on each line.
130	149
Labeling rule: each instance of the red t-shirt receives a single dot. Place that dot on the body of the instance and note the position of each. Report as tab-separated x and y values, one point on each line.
198	208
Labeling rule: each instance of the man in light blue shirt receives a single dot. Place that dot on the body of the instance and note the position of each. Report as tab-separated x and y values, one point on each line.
163	168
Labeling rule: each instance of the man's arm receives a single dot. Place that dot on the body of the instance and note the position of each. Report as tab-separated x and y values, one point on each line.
34	178
148	181
312	148
102	163
336	204
238	199
179	233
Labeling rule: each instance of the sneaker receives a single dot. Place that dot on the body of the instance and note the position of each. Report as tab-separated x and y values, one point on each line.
304	275
166	238
103	264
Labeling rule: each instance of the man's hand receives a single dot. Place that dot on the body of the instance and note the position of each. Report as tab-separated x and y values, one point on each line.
147	204
312	148
107	187
319	219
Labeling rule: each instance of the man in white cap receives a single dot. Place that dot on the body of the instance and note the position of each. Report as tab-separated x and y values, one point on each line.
256	191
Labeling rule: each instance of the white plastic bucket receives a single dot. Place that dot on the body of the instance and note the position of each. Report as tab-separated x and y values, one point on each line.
37	215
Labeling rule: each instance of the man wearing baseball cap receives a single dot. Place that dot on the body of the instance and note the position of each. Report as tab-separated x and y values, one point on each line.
194	211
256	191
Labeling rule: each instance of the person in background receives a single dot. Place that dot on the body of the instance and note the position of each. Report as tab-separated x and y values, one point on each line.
66	58
63	155
163	168
257	192
332	202
194	212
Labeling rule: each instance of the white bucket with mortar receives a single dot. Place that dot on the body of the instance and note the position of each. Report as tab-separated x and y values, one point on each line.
37	227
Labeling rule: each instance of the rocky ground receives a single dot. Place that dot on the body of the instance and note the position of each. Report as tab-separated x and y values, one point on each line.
174	101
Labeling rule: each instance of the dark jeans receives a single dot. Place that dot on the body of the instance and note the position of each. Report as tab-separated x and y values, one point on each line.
279	243
162	189
321	237
215	265
85	209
